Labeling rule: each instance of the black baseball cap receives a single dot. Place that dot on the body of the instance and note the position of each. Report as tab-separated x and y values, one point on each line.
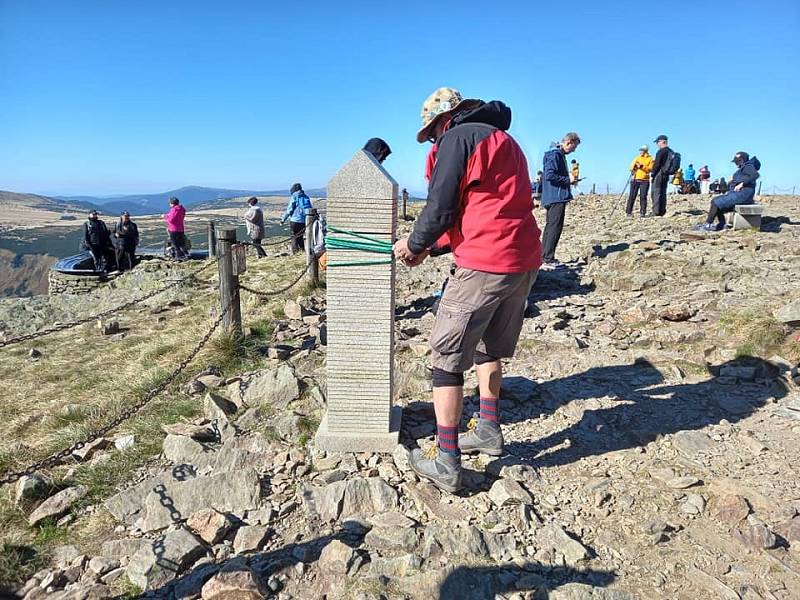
661	138
740	154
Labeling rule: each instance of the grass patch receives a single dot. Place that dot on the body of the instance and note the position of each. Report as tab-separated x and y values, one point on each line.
758	334
18	562
262	329
51	534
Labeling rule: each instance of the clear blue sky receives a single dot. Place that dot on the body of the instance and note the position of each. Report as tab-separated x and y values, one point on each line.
112	96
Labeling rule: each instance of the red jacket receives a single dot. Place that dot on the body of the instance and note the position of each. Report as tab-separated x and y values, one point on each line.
479	196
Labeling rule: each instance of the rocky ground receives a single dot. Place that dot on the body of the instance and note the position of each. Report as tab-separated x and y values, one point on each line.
651	418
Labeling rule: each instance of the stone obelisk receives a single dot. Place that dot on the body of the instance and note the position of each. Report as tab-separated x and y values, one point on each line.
362	199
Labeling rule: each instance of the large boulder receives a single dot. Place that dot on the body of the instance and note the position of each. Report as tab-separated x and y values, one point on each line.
276	386
235	581
342	499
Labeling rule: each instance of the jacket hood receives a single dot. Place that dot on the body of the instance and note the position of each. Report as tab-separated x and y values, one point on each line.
493	113
755	162
378	148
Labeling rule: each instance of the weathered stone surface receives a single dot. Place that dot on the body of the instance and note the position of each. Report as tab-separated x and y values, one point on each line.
124	442
454	541
235	581
250	538
199	433
217	409
30	487
508	491
789	313
336	558
582	591
127	504
55	506
234	492
164	559
391	519
756	537
123	548
181	449
730	509
90	449
275	387
210	525
343	499
102	565
692	443
553	537
391	539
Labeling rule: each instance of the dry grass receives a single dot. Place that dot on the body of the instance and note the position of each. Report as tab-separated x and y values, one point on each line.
760	334
84	378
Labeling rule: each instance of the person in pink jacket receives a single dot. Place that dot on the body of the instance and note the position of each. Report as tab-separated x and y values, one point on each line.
174	219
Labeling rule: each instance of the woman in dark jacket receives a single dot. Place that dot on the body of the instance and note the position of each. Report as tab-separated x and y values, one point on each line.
126	238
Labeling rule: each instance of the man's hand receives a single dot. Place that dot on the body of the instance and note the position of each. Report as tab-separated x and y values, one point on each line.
739	187
401	252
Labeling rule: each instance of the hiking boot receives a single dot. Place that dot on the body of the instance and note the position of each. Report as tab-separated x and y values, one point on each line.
440	468
482	436
629	215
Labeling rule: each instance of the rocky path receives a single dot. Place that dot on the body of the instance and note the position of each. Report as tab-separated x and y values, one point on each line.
651	418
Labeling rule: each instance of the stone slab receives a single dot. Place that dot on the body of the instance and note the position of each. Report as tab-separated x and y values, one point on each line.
742	221
749	209
359	441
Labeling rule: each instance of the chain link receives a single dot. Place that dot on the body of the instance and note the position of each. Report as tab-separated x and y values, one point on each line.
123	416
64	326
276	292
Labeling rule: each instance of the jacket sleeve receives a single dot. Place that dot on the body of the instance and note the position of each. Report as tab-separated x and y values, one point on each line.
551	171
749	174
659	161
289	209
444	194
633	165
86	234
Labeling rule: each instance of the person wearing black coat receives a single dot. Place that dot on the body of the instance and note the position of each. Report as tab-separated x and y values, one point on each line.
126	238
97	240
377	148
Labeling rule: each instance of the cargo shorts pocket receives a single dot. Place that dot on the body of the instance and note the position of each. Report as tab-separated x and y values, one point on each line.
450	327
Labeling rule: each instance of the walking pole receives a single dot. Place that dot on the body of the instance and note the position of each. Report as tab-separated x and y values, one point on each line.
622	195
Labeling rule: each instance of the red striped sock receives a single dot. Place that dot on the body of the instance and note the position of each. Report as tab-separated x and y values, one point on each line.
490	409
448	439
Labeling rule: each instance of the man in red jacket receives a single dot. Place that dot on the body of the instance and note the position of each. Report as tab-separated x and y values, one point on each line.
479	200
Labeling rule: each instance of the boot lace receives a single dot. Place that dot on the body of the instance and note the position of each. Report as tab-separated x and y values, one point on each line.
432	452
472	424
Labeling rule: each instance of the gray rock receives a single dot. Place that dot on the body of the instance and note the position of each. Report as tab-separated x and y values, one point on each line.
275	387
199	433
30	487
250	538
63	556
343	499
234	492
730	509
789	313
392	519
454	541
123	548
217	409
582	591
210	525
90	449
692	443
393	568
162	560
391	539
57	505
181	449
124	442
102	565
507	491
756	537
553	537
336	558
681	483
127	504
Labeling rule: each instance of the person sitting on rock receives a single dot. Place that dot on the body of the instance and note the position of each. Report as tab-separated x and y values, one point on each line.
743	184
97	240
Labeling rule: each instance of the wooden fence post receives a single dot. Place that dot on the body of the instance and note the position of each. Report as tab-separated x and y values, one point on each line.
593	185
405	204
212	239
229	281
311	259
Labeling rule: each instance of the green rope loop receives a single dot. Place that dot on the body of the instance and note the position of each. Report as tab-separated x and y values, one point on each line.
370	244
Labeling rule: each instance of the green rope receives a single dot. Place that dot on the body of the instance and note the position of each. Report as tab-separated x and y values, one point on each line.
370	244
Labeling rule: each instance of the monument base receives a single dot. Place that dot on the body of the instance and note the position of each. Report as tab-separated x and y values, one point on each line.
358	442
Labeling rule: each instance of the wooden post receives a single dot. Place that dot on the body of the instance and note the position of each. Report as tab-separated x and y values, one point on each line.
593	192
759	187
606	189
212	239
311	260
229	281
405	204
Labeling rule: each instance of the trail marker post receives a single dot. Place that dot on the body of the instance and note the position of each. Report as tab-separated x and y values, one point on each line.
212	239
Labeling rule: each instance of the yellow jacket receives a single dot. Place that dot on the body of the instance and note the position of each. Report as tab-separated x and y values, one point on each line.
575	170
641	167
677	178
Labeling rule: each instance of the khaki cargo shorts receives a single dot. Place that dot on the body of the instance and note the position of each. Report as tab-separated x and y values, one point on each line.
479	311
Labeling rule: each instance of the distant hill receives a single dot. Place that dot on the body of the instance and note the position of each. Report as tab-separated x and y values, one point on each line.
145	204
10	200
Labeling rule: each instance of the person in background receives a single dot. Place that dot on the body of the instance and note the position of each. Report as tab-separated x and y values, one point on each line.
743	183
689	174
126	238
705	179
640	181
495	244
660	176
175	219
575	174
556	192
97	240
296	210
254	220
536	189
677	180
378	148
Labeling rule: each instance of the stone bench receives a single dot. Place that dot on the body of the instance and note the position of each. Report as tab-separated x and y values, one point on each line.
746	216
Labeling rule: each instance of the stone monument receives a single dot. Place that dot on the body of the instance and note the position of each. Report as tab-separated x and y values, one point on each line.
362	199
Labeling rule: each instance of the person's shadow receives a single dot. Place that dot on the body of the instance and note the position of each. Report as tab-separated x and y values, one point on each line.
645	408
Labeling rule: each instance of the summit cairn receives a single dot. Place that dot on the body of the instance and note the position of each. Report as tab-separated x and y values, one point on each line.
362	200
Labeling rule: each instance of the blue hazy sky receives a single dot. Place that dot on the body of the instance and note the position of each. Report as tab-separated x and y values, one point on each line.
102	97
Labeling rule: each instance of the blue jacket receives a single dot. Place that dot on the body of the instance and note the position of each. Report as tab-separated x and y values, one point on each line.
689	174
555	181
299	203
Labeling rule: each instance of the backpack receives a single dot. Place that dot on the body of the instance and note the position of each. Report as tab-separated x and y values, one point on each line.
673	162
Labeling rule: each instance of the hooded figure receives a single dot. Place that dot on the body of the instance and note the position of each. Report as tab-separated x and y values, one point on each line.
742	190
377	148
296	210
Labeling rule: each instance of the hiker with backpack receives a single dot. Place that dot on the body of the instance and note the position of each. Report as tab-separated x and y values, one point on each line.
126	238
742	191
665	165
254	220
296	210
97	240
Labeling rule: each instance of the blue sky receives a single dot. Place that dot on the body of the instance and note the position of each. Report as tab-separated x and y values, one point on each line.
101	97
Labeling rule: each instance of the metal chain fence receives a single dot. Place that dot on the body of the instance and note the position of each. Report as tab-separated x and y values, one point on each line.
276	292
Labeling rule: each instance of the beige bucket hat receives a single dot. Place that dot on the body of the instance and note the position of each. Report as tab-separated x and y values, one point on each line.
440	103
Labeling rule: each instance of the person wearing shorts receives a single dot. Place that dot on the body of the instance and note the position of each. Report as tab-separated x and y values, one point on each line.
479	204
